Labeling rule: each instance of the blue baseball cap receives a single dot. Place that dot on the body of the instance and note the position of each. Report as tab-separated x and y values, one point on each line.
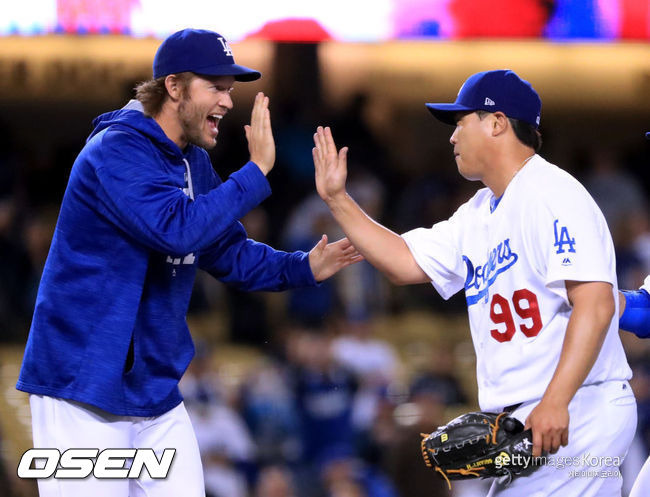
493	91
199	51
647	135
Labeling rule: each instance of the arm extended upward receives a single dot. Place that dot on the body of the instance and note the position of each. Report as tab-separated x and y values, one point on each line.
383	248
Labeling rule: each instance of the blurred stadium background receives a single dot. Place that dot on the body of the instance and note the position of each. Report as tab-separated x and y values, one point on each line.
324	392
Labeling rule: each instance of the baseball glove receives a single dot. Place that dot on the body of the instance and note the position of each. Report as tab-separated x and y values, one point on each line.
480	445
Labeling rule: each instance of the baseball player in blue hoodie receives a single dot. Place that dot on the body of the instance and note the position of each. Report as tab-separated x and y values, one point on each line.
142	211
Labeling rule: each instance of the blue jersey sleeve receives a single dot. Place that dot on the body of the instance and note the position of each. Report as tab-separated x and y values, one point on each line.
636	316
141	197
250	265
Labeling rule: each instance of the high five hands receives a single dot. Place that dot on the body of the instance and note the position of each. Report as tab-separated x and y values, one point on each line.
331	166
259	134
331	173
325	259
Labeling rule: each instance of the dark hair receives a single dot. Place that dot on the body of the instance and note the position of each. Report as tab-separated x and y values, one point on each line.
525	133
153	93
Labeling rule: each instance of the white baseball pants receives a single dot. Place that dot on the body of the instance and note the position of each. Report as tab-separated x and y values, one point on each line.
63	424
641	486
602	424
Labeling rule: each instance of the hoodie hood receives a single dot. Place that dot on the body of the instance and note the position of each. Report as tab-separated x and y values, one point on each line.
132	116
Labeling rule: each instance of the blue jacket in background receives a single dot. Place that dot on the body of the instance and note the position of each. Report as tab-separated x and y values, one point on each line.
138	217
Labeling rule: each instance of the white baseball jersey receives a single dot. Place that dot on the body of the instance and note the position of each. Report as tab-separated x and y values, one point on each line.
512	257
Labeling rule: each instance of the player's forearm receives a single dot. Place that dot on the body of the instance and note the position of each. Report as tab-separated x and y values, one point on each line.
380	246
593	310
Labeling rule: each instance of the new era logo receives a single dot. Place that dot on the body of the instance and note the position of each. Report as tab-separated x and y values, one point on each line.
488	101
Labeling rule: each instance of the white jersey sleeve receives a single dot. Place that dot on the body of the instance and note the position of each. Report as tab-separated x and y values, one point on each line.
569	236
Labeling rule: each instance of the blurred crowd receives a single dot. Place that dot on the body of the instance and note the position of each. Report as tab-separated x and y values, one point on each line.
326	408
327	414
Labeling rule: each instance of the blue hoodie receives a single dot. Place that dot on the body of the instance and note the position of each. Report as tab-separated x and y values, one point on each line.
138	217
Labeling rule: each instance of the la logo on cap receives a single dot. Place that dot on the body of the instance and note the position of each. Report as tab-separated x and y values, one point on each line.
226	47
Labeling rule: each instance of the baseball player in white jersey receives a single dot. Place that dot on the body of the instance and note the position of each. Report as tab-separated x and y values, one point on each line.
533	253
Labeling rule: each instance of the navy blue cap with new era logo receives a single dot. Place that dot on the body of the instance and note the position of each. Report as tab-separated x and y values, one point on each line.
199	51
493	91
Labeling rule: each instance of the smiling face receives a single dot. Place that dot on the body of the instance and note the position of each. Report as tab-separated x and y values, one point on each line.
205	101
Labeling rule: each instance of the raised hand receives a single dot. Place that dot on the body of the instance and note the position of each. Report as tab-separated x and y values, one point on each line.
326	259
330	165
259	134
